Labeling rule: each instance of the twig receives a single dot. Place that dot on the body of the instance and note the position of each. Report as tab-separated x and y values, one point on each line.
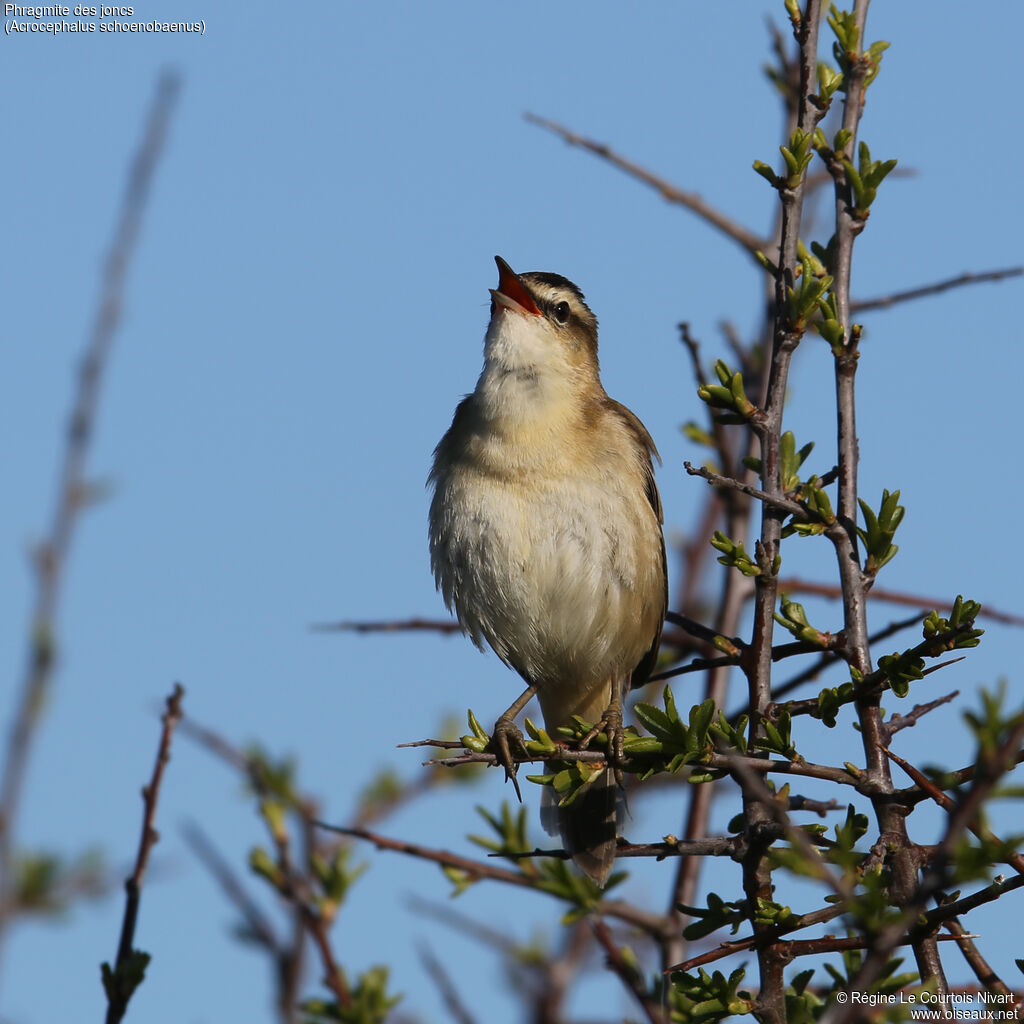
918	711
218	746
714	762
750	242
130	964
396	626
776	501
963	817
795	585
1015	860
257	925
754	788
497	937
769	936
947	911
442	744
474	868
547	977
791	948
718	430
885	301
914	794
634	981
477	870
877	682
983	971
819	807
51	559
699	630
697	665
445	986
829	658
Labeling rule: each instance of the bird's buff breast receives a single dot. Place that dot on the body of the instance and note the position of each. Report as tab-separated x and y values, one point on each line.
558	572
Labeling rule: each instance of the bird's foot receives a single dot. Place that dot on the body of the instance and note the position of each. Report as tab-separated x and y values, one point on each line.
611	726
505	739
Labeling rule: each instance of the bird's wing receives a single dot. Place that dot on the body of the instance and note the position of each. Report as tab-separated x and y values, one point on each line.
650	452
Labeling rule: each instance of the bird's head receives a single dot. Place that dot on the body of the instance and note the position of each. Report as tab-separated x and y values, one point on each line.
540	325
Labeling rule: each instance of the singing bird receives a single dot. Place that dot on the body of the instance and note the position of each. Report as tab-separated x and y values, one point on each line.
545	533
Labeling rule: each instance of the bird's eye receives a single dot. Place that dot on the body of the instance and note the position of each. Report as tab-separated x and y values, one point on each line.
561	312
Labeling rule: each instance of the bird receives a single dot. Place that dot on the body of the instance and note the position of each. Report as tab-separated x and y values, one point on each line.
546	536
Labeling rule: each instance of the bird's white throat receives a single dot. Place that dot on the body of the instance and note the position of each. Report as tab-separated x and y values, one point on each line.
527	378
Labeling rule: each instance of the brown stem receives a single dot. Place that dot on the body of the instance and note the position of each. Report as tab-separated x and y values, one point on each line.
649	923
983	971
757	882
693	202
885	301
632	978
414	625
72	489
890	815
119	994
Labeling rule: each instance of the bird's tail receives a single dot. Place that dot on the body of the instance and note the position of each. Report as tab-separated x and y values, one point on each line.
588	826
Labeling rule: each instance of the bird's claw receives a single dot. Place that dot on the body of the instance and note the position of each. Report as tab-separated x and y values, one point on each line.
506	738
611	725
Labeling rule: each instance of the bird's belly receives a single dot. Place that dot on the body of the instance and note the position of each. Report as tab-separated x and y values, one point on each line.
562	579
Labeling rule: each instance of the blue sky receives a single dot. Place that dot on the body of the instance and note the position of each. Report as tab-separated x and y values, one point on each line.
306	307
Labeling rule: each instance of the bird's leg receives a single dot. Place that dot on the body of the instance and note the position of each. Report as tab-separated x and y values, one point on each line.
506	735
611	724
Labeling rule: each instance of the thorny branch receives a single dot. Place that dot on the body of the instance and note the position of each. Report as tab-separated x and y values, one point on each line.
757	882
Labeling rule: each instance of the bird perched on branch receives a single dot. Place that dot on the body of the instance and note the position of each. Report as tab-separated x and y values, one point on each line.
545	533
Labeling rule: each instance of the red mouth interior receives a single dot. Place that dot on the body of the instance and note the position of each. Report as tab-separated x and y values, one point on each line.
511	286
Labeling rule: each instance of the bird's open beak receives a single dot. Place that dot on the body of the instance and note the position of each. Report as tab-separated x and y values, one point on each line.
511	292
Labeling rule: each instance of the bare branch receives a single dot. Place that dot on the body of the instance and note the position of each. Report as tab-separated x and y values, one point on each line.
258	926
413	625
918	711
750	242
122	980
983	971
496	937
52	557
699	630
477	870
971	824
634	981
775	501
914	794
445	986
885	301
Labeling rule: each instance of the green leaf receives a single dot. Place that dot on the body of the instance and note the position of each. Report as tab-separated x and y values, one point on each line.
768	174
879	530
119	983
734	555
